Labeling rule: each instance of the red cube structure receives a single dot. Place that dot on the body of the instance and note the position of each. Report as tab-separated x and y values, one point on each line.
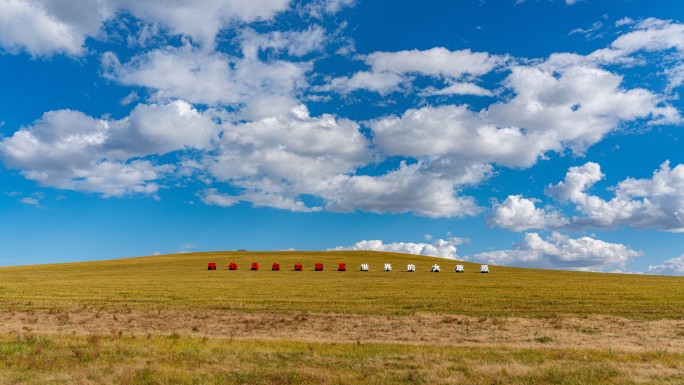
298	267
211	266
255	266
319	267
342	267
275	267
232	266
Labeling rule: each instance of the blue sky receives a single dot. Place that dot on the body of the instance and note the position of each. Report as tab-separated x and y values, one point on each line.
534	133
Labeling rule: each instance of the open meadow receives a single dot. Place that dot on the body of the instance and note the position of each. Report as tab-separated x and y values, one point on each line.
167	319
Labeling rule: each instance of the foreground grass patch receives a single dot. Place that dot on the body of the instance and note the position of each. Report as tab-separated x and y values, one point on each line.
176	359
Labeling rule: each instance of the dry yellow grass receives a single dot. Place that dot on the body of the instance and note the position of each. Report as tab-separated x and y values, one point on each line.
167	320
182	281
176	359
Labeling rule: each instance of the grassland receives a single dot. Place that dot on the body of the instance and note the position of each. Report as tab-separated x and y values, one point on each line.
182	281
166	319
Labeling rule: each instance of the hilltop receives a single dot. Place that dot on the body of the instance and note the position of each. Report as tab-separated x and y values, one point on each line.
183	281
167	319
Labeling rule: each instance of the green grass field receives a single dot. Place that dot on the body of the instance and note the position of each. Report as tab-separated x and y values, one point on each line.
167	319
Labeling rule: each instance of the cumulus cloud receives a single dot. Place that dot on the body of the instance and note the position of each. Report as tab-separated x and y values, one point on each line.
294	43
561	251
294	147
70	150
380	82
272	162
624	21
319	8
425	189
674	266
212	78
438	62
459	89
550	111
518	214
275	161
201	19
656	202
47	27
44	27
129	99
649	35
252	132
443	248
213	197
676	77
390	69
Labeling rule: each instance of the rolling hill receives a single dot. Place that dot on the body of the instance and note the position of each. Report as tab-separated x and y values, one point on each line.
183	281
169	320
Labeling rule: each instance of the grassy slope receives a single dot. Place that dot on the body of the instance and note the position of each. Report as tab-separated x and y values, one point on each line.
182	281
28	356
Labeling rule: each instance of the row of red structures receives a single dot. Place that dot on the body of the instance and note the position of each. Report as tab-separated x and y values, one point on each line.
276	266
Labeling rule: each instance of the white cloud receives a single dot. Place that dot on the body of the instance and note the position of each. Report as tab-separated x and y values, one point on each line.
46	27
460	89
108	178
163	128
273	153
443	248
389	69
673	266
43	27
651	35
675	76
213	198
212	78
319	8
518	214
577	179
30	201
550	111
647	35
656	202
128	99
295	43
295	147
274	160
202	19
420	188
560	251
438	62
70	150
624	21
589	32
277	201
380	82
33	200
